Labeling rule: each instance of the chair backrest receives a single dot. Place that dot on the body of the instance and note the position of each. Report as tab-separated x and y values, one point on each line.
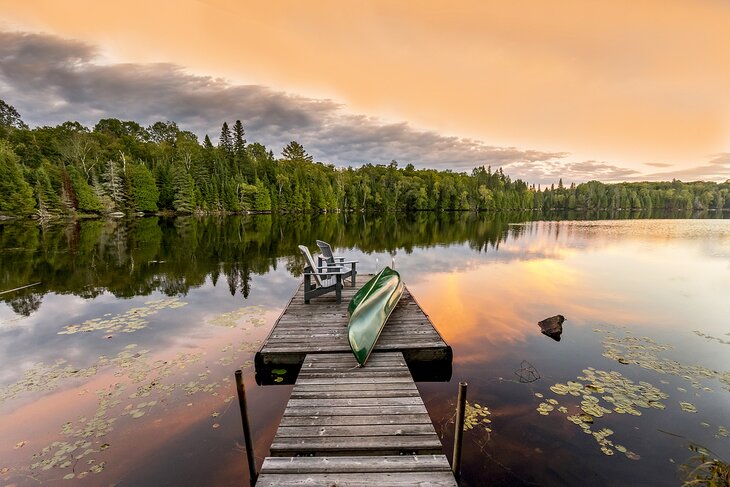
310	263
326	250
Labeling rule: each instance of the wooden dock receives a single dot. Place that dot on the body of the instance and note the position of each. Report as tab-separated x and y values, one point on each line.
321	327
346	425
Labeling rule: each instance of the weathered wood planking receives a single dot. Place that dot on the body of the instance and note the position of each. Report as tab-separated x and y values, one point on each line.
321	327
331	387
351	426
357	471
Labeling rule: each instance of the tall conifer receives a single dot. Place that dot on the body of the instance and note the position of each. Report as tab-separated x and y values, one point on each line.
225	142
239	143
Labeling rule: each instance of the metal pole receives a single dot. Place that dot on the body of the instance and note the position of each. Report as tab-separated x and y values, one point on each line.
246	428
459	431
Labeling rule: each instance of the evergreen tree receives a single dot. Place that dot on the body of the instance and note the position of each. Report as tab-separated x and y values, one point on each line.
295	152
239	143
225	143
144	194
184	201
86	199
165	186
16	195
48	202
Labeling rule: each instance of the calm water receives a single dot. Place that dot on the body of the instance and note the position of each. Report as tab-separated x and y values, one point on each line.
118	366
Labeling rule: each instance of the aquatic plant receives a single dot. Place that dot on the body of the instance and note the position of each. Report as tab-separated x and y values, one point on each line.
128	322
82	440
477	415
705	469
602	393
645	352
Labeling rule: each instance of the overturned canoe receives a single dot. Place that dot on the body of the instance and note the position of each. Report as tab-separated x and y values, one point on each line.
369	310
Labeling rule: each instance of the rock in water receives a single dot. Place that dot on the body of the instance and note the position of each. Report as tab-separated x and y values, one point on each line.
552	327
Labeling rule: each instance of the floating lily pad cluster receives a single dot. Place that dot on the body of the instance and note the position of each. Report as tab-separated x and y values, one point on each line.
85	434
235	318
477	415
44	377
644	352
133	366
602	393
548	405
128	322
83	439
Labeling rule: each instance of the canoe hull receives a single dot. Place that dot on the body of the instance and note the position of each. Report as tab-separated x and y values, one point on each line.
369	310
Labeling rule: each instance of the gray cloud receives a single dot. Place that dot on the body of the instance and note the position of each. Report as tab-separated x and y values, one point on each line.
716	169
657	164
51	80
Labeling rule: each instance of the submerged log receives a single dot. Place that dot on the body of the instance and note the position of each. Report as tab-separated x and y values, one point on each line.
552	327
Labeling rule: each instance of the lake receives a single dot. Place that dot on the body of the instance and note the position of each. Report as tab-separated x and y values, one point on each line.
118	365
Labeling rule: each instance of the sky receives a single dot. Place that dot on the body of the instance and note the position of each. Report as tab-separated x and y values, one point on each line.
614	91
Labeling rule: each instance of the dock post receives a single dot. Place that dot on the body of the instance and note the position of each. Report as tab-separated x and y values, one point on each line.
246	428
458	431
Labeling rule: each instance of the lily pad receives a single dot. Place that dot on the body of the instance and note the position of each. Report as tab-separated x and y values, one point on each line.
688	407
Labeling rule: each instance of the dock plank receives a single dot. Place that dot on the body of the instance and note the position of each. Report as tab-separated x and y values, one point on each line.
321	327
391	479
362	464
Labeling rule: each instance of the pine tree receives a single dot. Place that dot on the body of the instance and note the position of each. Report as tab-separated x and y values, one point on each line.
225	143
184	201
48	202
165	186
239	143
144	194
294	151
86	199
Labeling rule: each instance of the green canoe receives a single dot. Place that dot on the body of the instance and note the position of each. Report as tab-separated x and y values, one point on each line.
369	310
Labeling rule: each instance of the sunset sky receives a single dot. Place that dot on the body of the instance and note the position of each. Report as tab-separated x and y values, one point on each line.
615	91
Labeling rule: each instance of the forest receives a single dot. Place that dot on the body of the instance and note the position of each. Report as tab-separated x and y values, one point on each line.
121	166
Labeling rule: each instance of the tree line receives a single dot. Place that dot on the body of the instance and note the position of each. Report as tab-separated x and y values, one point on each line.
121	166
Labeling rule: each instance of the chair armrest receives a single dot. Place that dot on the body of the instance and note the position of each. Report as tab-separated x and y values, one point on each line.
339	270
327	270
332	269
